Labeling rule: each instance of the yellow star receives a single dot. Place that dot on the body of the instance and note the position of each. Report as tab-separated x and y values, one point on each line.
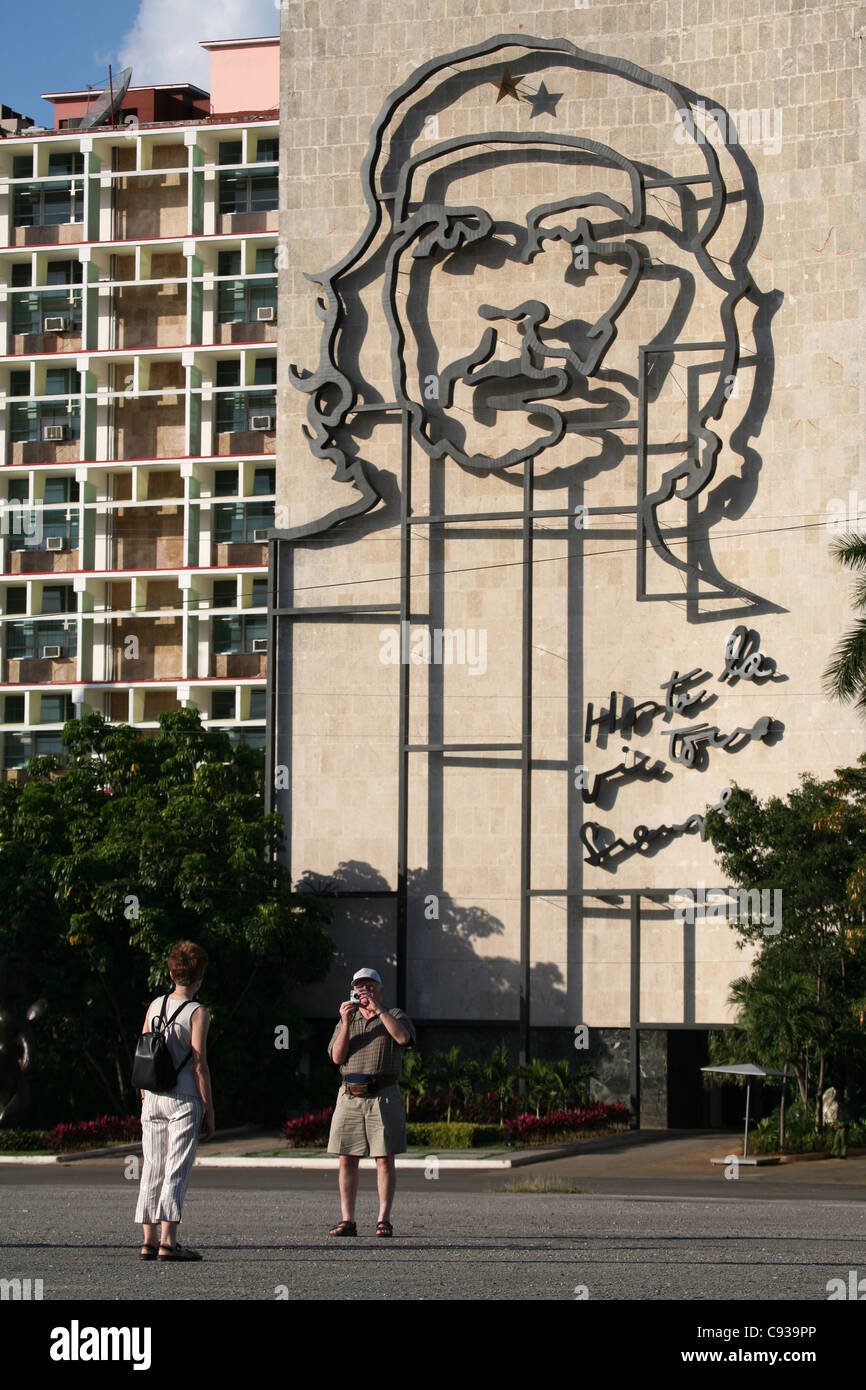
507	87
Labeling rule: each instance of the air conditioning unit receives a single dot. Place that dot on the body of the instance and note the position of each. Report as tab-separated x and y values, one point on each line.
262	422
55	543
266	313
53	434
260	644
55	323
52	652
261	535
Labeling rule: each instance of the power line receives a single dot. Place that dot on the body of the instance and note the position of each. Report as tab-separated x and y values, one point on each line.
596	554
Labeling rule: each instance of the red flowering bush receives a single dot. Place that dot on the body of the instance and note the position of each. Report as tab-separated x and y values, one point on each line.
95	1134
309	1129
562	1125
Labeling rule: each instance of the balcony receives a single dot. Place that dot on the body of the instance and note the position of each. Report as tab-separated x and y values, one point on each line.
39	670
41	561
246	442
238	665
59	234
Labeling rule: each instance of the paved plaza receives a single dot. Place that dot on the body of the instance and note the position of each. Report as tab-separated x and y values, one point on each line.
647	1222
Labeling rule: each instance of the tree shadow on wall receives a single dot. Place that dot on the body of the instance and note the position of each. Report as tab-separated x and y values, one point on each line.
447	976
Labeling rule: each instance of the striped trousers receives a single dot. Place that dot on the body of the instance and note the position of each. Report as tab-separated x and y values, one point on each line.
169	1135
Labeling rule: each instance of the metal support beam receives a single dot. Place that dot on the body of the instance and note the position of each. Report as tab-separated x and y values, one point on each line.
634	1012
403	719
526	772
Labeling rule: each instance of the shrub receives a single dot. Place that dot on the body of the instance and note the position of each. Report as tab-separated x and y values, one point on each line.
95	1134
309	1130
456	1135
563	1125
801	1136
23	1141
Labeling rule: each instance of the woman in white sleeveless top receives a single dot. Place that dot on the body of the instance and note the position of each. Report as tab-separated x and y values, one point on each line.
171	1121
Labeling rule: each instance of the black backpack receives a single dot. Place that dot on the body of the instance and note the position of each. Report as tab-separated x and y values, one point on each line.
153	1068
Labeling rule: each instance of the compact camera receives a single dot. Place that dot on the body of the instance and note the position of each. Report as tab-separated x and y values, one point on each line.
354	996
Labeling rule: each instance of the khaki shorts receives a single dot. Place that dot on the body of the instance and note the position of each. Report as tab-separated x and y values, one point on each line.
369	1127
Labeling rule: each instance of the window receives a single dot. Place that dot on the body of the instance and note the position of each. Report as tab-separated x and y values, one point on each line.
268	151
238	301
13	709
61	490
228	371
16	599
29	420
231	152
50	204
29	311
231	405
66	162
222	704
249	738
260	593
225	593
18	490
237	522
238	634
60	518
237	410
226	483
247	190
265	371
264	482
26	640
17	749
59	598
258	700
56	709
48	745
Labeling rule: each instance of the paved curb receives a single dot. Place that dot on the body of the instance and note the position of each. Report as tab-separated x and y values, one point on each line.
243	1132
329	1163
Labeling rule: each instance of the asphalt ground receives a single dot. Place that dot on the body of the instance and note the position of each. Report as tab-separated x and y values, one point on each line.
641	1222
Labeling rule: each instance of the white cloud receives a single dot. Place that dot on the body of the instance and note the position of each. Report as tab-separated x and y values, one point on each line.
163	43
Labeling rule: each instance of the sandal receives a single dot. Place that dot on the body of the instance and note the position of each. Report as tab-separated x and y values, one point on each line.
344	1228
177	1252
148	1252
384	1228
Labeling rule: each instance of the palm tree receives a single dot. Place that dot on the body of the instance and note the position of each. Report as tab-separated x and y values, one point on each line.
845	677
540	1081
414	1080
499	1076
449	1073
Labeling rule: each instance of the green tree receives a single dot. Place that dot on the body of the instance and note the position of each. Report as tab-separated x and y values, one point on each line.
799	1003
845	677
138	843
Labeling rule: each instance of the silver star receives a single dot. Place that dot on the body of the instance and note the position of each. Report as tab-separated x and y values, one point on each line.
544	102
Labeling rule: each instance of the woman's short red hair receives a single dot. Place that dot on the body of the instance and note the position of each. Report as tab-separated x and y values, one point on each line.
187	962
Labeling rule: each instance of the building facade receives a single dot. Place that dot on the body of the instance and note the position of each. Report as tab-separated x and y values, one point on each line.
571	318
137	405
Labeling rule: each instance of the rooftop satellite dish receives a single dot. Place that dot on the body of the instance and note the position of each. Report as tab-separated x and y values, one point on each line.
108	104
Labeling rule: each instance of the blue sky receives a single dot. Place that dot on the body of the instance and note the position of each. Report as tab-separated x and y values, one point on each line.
57	45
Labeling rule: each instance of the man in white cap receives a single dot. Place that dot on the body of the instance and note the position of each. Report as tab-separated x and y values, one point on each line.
369	1118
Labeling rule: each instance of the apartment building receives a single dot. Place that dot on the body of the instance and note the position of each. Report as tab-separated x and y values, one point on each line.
138	306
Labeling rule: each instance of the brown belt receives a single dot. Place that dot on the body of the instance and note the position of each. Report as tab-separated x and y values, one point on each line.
371	1087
